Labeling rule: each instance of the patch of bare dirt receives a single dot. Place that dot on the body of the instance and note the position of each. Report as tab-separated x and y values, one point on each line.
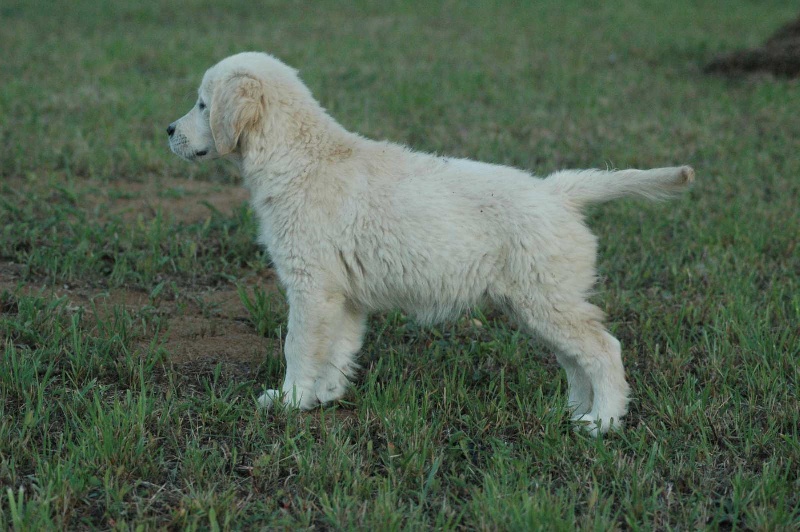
779	55
213	326
197	326
186	200
197	329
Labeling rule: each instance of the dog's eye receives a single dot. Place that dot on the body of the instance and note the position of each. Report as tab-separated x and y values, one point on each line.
201	105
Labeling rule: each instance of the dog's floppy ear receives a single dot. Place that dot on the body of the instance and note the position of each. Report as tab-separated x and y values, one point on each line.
236	106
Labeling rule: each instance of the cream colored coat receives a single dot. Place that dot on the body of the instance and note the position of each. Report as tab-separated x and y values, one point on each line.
355	226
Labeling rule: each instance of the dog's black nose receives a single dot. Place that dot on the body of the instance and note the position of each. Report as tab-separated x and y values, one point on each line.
170	129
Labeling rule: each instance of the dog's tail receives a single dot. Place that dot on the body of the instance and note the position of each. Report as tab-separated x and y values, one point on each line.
596	186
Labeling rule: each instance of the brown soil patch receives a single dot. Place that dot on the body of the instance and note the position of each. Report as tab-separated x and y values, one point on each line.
213	326
198	326
779	55
198	329
185	200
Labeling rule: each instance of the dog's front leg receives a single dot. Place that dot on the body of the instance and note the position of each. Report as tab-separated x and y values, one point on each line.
312	319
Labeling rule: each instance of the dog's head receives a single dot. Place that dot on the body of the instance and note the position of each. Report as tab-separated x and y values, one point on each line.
232	104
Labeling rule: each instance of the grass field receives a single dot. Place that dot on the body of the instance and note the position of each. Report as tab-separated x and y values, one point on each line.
139	320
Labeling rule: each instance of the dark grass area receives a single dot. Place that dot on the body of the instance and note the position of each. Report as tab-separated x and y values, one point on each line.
779	55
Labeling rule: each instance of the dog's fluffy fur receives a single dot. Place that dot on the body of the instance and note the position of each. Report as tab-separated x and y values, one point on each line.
355	226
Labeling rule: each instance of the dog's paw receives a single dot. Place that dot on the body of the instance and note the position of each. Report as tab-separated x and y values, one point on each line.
580	409
301	400
269	398
331	388
594	425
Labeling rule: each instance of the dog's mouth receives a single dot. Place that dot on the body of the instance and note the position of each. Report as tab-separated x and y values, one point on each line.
179	148
192	157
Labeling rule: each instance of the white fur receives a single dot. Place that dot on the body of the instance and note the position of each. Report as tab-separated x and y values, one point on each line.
355	226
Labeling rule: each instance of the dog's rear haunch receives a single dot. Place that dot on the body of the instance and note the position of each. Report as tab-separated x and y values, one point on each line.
355	226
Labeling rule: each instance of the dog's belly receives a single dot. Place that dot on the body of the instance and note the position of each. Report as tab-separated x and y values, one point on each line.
430	286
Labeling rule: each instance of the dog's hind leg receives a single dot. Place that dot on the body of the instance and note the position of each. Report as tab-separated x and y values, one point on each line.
589	354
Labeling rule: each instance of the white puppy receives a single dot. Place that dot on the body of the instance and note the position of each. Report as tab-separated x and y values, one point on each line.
355	226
